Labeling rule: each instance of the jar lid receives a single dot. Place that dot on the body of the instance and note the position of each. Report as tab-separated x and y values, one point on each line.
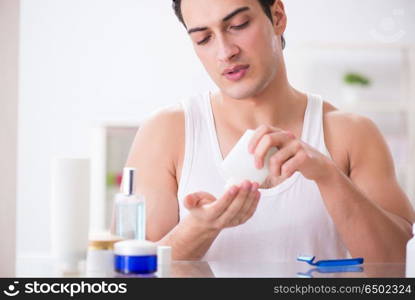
135	248
103	241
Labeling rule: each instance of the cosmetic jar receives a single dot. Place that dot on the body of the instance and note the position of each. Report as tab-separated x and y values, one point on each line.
135	257
164	255
100	256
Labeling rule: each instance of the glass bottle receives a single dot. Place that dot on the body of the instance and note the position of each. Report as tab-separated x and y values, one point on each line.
130	216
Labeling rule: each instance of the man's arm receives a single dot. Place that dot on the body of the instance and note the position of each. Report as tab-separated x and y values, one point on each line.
155	154
371	212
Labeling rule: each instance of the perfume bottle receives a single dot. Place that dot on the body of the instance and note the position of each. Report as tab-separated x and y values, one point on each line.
130	212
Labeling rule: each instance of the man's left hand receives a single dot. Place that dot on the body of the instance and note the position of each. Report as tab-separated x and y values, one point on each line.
292	155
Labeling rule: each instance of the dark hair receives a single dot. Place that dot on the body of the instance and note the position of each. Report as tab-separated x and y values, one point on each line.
266	6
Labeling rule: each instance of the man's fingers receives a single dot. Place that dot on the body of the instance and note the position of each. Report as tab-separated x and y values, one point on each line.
238	202
259	133
276	139
198	199
290	166
222	204
252	207
248	202
206	199
280	157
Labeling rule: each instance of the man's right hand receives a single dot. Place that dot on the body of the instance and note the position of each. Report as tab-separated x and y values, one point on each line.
234	208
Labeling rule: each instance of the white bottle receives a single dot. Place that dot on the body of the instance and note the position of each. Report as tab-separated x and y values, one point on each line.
130	215
164	261
239	164
100	256
69	212
410	255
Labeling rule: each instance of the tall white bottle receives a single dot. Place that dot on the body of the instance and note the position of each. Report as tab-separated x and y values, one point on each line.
130	215
410	255
70	192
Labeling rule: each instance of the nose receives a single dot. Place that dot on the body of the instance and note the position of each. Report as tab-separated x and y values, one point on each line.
227	50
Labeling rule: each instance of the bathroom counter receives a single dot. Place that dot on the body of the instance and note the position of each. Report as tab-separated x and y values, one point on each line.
41	267
294	269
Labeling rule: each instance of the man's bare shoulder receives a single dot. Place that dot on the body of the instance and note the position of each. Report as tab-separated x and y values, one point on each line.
166	121
160	136
349	135
347	124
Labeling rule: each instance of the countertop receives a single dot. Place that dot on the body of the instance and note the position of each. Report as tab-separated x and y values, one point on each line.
203	269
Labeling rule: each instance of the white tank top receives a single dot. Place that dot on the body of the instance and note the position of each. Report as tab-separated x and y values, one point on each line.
290	219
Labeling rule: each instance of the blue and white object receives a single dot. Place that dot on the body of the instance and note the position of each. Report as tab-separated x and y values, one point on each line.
135	257
330	270
331	262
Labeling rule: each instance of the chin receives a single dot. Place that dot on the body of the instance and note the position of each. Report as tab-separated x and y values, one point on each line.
242	91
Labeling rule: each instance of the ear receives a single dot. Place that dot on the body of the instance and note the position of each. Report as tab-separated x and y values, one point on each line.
279	17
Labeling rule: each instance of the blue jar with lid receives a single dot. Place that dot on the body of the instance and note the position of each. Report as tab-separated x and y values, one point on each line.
135	257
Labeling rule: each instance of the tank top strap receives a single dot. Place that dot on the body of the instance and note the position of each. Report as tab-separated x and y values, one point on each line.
313	129
195	120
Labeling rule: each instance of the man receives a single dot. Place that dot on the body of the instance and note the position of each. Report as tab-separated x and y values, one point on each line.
331	192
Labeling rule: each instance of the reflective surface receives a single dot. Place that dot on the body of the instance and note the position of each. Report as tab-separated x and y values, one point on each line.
187	269
295	269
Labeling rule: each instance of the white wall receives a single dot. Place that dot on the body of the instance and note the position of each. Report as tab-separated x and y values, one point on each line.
9	33
85	61
350	20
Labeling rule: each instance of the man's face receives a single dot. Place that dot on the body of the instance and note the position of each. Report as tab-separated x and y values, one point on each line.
236	42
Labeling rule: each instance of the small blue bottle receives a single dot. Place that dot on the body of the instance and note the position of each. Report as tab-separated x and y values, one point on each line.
130	210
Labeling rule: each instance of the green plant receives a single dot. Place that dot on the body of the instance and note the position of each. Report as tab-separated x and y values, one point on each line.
356	79
111	179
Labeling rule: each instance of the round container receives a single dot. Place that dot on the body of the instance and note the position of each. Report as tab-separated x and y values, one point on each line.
100	256
135	257
164	261
164	255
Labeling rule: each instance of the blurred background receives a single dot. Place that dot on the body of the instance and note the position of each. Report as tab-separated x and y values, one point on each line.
88	71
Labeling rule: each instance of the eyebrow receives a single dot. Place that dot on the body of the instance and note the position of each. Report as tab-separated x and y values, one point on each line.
225	19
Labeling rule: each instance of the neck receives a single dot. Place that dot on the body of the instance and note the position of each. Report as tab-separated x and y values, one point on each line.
274	106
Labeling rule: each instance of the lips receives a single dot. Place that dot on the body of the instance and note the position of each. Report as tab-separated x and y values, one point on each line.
236	73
